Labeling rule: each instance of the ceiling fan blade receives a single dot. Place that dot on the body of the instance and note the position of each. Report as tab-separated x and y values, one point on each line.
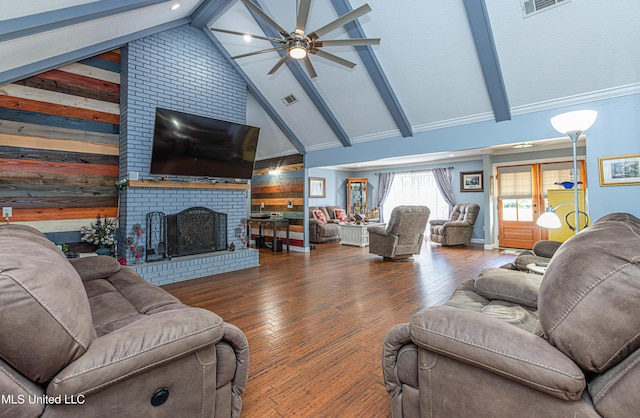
266	17
341	21
262	51
333	58
347	42
279	64
310	69
233	32
303	15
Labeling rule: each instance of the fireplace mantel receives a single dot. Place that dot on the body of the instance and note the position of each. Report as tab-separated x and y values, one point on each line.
186	185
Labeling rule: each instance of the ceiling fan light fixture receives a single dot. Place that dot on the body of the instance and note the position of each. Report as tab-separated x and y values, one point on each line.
297	52
298	48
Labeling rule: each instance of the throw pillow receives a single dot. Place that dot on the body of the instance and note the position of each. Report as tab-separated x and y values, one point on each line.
340	215
319	215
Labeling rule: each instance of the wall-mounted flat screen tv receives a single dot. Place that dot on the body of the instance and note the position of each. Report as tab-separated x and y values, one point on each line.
191	145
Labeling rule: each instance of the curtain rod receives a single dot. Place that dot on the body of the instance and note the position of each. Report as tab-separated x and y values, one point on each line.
412	171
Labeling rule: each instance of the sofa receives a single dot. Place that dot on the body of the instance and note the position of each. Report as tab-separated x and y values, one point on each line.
403	236
516	344
458	229
89	337
321	231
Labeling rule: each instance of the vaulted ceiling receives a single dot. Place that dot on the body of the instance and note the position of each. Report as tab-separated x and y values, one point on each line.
439	63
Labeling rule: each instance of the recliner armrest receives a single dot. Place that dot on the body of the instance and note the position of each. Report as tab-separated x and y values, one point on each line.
457	224
396	338
378	230
509	285
137	347
433	222
498	347
92	268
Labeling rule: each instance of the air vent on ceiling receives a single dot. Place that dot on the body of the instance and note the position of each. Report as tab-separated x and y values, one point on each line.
531	7
289	100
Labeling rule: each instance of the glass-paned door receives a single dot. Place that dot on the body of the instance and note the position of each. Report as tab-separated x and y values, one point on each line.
523	196
517	206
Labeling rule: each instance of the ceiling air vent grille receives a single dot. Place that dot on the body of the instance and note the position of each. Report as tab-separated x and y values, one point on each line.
289	100
531	7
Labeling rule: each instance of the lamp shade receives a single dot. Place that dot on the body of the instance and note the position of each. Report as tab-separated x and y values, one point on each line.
549	220
576	121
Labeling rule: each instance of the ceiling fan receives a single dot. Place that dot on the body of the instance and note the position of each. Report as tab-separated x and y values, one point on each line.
300	43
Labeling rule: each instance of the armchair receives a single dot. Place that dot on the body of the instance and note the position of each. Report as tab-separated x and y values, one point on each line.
517	344
89	337
403	236
458	229
541	252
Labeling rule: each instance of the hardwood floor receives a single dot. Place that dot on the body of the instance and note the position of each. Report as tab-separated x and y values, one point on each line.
316	321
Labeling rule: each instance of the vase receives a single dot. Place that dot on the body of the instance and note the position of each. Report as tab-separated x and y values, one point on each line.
103	250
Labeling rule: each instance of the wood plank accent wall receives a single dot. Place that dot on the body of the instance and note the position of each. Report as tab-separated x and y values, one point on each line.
59	144
276	191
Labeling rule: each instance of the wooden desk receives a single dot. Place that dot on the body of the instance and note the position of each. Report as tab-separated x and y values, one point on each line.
275	223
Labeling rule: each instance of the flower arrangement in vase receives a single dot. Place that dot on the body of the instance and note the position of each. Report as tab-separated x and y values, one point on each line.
100	233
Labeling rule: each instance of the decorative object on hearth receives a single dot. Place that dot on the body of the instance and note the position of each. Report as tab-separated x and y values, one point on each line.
100	233
300	43
573	124
134	250
156	236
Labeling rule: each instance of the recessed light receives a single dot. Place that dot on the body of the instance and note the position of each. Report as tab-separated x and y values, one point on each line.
175	6
523	145
247	38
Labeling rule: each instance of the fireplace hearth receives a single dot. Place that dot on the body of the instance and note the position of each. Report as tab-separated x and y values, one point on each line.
196	230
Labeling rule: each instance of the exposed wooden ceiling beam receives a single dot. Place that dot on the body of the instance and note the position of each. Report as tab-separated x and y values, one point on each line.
488	55
373	67
43	22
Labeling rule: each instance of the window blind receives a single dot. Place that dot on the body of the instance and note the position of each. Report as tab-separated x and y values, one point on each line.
515	182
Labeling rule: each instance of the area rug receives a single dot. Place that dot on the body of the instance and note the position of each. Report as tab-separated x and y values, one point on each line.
510	251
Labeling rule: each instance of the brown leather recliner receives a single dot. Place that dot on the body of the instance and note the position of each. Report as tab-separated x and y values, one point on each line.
91	338
458	229
517	344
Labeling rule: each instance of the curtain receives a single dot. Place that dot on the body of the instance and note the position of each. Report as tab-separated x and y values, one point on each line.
443	181
417	188
384	187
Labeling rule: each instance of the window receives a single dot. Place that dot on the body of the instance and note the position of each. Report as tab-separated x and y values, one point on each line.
515	193
418	188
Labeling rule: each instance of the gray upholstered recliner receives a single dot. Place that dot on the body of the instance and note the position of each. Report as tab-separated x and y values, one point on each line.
403	236
458	229
541	252
89	337
513	344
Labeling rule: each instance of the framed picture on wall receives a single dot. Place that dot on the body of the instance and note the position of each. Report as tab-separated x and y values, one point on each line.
471	181
317	187
621	170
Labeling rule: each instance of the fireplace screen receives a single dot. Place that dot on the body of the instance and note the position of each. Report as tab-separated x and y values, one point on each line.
195	231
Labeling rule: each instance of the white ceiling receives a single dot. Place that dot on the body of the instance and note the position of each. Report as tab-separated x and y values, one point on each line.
579	51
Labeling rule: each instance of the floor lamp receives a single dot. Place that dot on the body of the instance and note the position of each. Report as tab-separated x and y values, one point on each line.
572	124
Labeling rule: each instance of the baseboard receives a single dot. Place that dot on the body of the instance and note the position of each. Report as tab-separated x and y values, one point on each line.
493	246
477	240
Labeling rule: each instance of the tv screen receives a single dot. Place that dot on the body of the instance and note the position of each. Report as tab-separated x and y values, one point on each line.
191	145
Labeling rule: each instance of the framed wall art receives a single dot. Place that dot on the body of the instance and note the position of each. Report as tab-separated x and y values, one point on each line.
621	170
317	187
471	181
